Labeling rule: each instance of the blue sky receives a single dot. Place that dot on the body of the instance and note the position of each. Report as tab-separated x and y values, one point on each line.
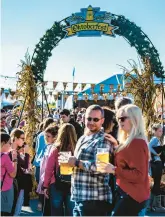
24	22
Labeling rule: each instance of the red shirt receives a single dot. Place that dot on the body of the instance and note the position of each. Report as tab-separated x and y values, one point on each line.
132	170
52	162
8	167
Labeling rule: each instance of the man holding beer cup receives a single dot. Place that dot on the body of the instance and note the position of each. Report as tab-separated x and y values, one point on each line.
90	188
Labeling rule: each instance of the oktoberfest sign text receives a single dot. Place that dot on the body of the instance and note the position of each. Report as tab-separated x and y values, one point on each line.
90	22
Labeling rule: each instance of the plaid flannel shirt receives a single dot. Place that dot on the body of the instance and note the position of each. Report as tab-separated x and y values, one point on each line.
88	184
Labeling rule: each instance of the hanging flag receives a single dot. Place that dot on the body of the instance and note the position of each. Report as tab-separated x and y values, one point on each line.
74	85
55	84
55	96
73	73
86	98
83	86
105	96
6	94
45	83
95	97
101	88
66	97
92	87
65	84
12	93
119	87
75	97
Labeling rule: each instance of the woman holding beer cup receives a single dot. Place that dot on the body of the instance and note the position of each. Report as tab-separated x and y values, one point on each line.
60	196
131	163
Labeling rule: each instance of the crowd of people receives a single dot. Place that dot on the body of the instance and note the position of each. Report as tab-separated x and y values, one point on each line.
119	186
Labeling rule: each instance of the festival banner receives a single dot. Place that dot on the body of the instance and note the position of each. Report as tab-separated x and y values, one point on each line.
65	85
74	85
55	84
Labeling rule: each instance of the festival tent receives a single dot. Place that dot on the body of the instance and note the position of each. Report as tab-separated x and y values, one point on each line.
114	80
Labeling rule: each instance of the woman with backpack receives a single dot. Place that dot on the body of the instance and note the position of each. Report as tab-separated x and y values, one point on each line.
8	172
54	183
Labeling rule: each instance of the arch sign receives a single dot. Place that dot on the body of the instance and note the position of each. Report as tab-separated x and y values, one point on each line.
92	22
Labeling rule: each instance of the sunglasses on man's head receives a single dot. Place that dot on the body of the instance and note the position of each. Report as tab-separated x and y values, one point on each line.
122	119
94	119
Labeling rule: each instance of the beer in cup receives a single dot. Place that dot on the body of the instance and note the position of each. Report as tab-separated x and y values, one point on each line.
65	169
102	155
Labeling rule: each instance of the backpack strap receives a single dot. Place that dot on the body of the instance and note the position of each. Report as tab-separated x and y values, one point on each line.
3	176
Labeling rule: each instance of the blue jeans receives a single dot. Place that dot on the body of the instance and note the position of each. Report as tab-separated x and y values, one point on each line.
127	206
92	208
37	174
60	202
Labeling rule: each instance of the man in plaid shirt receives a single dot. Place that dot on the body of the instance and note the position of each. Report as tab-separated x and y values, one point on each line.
90	189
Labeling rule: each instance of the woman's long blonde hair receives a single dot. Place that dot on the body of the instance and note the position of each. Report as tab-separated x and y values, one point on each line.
135	116
66	138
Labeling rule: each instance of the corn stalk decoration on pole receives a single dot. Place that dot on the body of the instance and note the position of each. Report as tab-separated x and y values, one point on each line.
27	91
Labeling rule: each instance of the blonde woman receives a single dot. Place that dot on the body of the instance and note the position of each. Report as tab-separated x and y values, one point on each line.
131	163
59	197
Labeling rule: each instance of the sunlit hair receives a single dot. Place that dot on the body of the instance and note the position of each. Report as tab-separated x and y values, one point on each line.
66	138
95	108
135	116
16	133
122	101
155	127
53	130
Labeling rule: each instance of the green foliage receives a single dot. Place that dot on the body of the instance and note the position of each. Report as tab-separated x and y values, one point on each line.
138	39
132	33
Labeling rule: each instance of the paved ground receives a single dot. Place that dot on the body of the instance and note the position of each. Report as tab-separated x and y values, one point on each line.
32	211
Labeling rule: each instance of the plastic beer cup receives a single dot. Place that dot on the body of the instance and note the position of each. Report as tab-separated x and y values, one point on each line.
65	169
102	155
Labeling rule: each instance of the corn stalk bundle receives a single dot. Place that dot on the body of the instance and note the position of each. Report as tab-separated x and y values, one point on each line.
141	86
27	91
